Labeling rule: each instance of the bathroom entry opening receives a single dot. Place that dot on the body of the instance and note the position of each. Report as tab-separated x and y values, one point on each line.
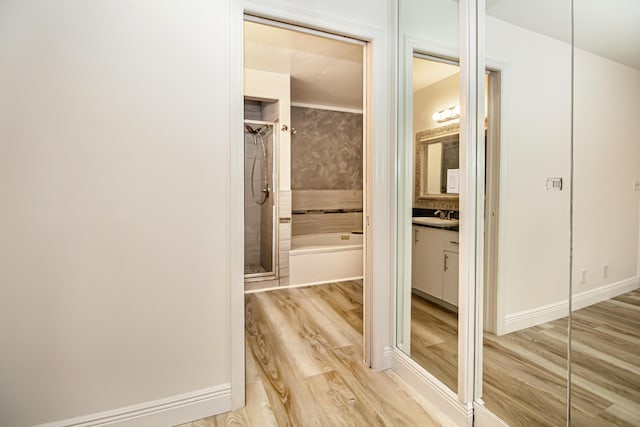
310	87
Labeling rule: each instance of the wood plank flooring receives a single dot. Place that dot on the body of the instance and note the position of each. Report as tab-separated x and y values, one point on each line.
304	365
434	340
525	374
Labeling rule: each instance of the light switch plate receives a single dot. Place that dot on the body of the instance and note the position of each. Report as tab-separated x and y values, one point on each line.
636	184
554	184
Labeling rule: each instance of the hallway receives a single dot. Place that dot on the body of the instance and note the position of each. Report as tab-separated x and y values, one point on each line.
304	365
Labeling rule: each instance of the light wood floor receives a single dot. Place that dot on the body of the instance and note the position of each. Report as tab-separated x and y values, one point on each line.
304	365
434	340
525	372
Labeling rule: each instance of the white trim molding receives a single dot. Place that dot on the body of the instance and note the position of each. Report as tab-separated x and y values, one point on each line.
162	412
604	293
547	313
436	394
482	417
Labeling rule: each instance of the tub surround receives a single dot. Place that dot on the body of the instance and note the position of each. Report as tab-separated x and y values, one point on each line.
284	231
326	211
326	171
325	258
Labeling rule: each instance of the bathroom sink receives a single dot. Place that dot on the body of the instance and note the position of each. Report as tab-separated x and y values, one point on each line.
433	221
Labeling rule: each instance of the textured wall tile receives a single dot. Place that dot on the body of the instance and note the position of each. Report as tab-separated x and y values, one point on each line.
327	223
309	200
326	150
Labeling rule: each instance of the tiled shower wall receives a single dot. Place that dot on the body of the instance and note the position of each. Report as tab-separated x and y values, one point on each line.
258	248
326	157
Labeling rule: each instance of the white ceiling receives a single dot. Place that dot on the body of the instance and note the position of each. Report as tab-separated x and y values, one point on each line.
323	71
329	72
609	28
426	72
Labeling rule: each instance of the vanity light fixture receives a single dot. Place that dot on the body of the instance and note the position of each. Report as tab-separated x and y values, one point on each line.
447	114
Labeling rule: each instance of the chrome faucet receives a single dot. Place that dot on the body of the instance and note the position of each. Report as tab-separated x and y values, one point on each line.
443	215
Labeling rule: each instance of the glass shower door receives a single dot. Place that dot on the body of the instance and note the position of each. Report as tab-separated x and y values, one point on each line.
260	243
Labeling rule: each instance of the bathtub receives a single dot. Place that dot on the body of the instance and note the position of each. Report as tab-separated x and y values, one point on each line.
325	258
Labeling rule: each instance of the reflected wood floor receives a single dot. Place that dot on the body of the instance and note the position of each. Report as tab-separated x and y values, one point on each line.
525	372
304	365
434	340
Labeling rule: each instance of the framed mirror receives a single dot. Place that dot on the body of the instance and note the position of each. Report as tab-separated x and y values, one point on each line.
437	163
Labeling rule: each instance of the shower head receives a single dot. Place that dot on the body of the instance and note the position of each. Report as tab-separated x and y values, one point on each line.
257	131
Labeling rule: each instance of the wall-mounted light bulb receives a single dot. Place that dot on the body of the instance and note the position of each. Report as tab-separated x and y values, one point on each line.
447	114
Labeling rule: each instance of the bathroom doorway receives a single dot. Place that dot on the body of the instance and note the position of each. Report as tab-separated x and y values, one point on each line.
305	181
304	157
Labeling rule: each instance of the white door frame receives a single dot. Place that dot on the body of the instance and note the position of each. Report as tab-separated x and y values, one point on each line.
379	155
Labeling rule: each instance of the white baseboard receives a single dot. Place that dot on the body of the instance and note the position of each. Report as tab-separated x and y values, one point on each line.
324	282
159	413
442	402
536	316
482	417
387	358
528	318
603	293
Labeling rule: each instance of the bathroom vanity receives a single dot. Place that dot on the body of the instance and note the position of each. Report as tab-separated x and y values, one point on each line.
435	262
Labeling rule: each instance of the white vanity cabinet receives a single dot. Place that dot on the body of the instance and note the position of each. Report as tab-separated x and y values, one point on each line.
435	263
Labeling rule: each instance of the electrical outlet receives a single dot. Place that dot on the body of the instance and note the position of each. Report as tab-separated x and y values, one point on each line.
583	276
605	271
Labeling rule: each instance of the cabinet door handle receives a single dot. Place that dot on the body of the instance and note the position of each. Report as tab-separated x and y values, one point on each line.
453	242
415	235
446	257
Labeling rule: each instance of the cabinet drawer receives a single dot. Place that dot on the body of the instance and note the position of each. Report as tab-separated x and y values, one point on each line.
451	241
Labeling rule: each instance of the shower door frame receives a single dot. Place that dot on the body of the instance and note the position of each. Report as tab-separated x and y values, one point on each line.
275	241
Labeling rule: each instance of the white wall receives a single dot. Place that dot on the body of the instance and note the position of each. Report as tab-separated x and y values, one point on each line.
115	214
113	190
435	97
607	112
535	138
534	264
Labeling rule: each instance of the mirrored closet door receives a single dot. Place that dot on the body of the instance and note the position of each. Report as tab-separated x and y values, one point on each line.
560	308
523	303
556	312
428	191
605	321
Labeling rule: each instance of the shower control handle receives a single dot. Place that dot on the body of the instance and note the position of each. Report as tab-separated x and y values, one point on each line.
285	128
